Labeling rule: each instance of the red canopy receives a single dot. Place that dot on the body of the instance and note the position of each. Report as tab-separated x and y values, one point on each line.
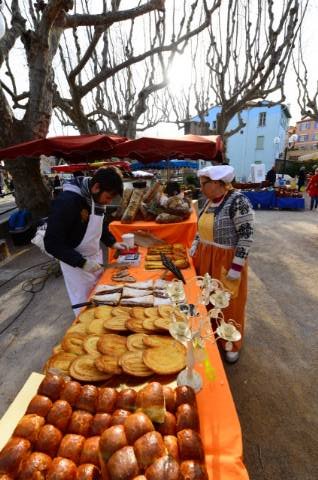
89	166
73	148
153	149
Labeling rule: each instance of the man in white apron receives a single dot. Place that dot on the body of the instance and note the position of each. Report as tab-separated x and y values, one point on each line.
76	226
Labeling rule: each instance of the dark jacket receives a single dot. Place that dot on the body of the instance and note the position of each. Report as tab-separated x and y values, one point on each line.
271	176
66	227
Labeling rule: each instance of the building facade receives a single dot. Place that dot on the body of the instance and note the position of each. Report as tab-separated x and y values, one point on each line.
262	140
307	140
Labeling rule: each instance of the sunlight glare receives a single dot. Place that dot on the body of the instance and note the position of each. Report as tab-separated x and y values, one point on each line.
180	74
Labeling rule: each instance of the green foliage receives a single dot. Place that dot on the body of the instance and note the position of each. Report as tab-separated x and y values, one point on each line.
193	180
293	168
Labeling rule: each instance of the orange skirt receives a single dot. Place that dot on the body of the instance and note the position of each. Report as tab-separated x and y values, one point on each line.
210	259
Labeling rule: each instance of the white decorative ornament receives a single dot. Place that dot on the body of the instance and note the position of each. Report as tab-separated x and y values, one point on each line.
228	331
196	329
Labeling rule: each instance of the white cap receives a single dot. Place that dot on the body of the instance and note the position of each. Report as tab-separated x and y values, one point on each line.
218	172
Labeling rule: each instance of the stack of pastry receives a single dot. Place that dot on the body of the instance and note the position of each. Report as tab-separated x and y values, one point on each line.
108	341
142	294
176	252
74	432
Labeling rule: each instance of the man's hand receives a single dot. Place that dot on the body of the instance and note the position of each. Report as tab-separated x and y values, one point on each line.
119	246
90	266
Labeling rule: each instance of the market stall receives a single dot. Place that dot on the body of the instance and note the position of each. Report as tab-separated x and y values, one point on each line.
120	413
275	198
182	232
219	426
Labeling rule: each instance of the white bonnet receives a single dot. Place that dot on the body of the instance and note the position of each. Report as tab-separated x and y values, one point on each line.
218	172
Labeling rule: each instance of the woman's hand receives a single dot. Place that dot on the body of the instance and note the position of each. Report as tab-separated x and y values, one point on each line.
230	284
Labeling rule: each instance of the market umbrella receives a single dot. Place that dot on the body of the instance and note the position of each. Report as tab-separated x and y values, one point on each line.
73	148
166	164
155	149
68	168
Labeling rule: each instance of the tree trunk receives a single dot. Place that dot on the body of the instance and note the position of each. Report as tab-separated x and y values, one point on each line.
30	191
221	124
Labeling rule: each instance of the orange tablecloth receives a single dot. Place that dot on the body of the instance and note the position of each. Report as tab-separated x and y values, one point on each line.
220	427
183	232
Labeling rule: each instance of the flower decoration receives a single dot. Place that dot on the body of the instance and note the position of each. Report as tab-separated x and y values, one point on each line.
220	299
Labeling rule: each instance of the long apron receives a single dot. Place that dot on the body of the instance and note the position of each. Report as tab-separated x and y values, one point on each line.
78	282
210	258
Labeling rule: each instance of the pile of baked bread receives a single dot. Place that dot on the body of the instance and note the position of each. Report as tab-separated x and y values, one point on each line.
152	205
176	252
112	341
75	432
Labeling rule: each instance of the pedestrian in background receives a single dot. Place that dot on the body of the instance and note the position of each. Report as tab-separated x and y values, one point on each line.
312	189
301	179
271	176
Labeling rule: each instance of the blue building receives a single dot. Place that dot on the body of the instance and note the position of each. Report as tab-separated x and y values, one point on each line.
263	139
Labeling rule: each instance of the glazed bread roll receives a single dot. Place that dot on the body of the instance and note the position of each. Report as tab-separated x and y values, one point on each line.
71	447
170	398
40	405
87	399
81	423
88	471
106	400
136	425
60	415
101	422
111	440
90	451
126	399
164	468
185	394
168	427
192	470
29	427
35	467
140	477
190	445
187	417
12	455
150	400
171	444
62	469
71	392
51	386
49	440
123	465
119	417
149	448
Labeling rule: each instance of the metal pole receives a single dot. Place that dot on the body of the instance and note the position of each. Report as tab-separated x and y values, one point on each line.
285	158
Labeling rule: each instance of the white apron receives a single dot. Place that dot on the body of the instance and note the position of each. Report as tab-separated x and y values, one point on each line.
78	282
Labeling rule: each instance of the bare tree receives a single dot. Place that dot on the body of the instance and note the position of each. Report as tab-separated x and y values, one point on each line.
307	91
112	84
247	55
26	115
